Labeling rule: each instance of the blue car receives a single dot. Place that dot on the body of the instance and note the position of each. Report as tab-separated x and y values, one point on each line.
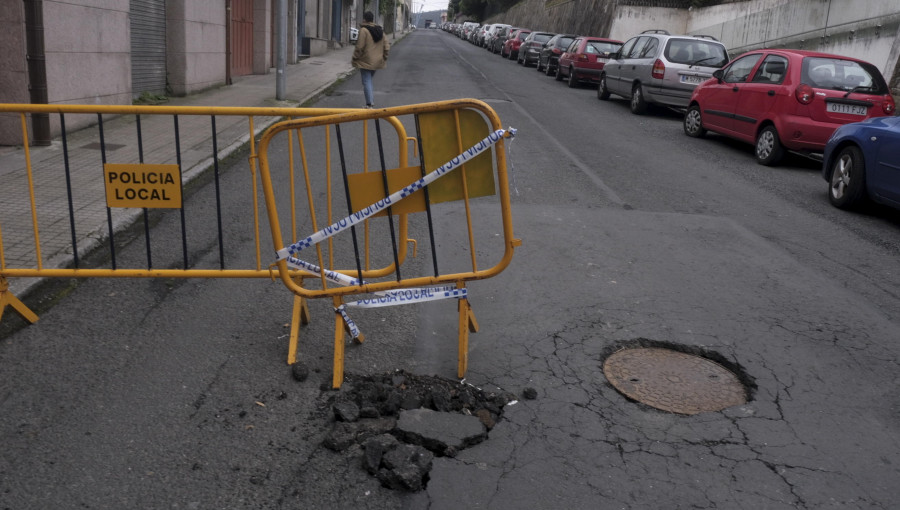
862	161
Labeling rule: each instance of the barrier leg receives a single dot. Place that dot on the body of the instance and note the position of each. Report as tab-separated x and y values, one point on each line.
8	299
338	370
467	324
299	316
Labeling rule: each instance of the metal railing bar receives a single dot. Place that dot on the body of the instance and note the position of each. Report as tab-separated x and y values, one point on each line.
340	141
109	223
184	250
387	193
215	158
65	144
146	214
309	198
424	171
465	191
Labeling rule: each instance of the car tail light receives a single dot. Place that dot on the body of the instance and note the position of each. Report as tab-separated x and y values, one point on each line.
659	69
583	57
804	94
888	105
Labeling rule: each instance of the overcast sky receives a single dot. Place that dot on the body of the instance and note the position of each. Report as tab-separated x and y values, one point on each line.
430	5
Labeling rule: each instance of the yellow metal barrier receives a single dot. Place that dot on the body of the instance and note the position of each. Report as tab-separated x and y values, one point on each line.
56	203
459	185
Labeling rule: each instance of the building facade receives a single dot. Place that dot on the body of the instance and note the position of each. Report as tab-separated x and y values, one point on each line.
112	52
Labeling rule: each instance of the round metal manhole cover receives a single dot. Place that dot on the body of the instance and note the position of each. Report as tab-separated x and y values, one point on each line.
674	381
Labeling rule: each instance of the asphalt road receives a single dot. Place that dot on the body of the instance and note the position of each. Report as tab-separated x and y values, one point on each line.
173	394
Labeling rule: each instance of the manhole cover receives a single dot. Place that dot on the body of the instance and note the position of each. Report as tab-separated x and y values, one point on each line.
674	381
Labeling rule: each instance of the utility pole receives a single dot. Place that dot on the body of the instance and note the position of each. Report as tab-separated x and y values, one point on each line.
281	50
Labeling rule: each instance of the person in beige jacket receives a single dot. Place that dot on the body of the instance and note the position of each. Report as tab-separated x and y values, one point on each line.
370	54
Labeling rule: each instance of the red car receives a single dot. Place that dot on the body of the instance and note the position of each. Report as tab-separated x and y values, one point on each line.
787	100
584	59
510	48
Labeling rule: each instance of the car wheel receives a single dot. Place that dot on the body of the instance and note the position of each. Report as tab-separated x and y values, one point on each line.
558	74
602	91
538	64
638	105
573	78
768	147
549	70
848	179
693	124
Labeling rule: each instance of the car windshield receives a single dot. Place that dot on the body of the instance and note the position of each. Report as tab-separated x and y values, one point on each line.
602	47
696	52
564	42
542	38
845	75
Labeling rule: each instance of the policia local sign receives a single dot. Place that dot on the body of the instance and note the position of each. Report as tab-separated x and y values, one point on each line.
141	185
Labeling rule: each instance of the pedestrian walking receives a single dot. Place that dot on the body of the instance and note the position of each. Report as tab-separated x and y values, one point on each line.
370	54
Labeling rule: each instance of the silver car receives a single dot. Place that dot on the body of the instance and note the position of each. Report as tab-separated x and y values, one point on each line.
656	67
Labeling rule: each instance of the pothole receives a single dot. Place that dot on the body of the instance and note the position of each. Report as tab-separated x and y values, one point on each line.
674	381
399	422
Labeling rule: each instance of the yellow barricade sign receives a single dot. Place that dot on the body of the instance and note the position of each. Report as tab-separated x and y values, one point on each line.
142	185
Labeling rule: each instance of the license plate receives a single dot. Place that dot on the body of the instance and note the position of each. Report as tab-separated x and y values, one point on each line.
851	109
694	80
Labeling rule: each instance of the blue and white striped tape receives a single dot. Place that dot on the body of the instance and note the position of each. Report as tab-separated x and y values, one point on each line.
366	212
399	297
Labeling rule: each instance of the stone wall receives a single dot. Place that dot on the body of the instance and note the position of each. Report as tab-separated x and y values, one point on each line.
593	17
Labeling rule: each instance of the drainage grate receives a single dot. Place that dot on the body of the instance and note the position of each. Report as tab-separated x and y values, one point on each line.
673	381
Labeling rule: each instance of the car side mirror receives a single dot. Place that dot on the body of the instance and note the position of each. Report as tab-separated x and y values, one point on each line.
719	75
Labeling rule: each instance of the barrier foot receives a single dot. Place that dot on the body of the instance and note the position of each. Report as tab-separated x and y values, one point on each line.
299	316
338	370
467	324
8	299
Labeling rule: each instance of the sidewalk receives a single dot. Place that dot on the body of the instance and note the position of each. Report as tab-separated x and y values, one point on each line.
305	81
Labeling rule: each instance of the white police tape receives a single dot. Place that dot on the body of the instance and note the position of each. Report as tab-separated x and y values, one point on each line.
316	270
407	296
386	297
399	297
354	330
366	212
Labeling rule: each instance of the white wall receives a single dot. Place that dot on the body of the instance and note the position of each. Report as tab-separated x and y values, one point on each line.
866	29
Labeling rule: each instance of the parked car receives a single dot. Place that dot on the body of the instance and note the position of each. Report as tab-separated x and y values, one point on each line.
496	38
584	59
511	47
491	36
787	100
530	50
658	68
551	51
480	35
467	29
862	161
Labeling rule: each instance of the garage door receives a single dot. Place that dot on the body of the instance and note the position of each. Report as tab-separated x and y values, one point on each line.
148	46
